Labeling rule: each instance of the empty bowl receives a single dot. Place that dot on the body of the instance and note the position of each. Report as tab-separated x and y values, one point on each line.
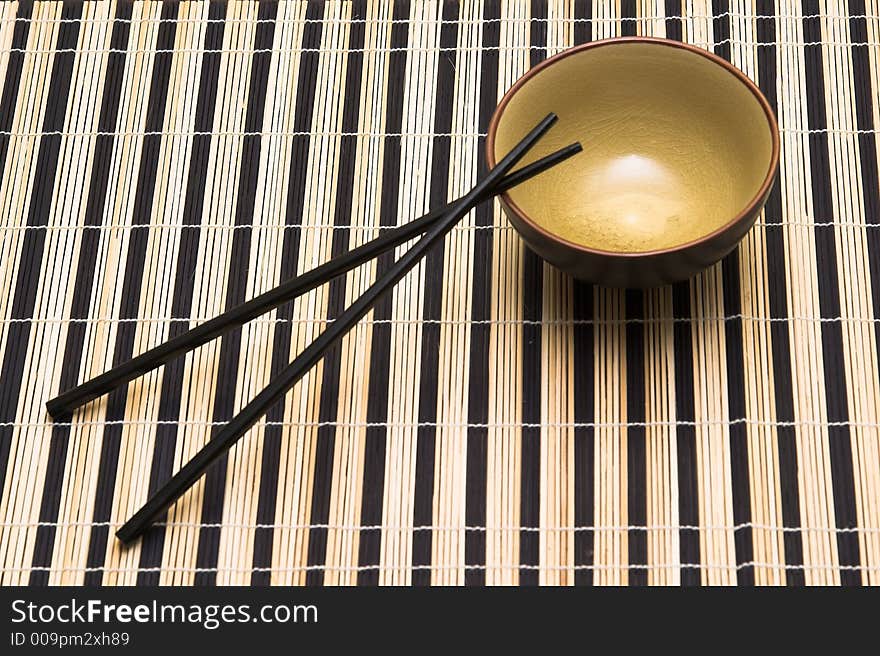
680	152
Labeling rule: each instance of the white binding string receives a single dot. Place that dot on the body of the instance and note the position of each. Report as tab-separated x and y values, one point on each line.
433	568
329	133
311	226
426	21
452	529
472	322
458	49
461	425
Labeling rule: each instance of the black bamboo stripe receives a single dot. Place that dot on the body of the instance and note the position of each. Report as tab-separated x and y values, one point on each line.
12	79
628	14
329	401
8	101
686	437
481	311
584	383
583	27
31	262
373	485
840	446
584	433
433	299
165	443
736	396
636	466
533	301
236	284
865	97
673	20
778	294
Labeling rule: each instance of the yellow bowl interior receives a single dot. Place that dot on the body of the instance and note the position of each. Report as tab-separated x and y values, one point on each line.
675	146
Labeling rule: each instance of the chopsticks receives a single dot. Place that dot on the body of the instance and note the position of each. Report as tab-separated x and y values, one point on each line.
259	405
64	404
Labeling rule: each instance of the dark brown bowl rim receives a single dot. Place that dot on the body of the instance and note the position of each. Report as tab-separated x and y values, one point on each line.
742	77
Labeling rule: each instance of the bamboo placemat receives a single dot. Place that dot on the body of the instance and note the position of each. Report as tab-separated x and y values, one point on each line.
493	422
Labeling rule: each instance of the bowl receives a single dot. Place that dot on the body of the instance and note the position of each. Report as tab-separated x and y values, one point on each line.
680	152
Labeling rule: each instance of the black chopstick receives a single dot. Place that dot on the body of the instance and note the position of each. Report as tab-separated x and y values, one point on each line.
64	404
251	413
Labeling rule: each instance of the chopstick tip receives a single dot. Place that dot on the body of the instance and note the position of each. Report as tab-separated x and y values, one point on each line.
128	534
58	411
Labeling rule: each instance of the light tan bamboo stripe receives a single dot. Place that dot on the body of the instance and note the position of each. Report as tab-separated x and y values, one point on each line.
764	483
505	368
373	532
450	463
404	371
807	368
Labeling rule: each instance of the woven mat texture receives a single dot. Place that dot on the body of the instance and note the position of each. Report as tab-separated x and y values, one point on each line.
492	421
